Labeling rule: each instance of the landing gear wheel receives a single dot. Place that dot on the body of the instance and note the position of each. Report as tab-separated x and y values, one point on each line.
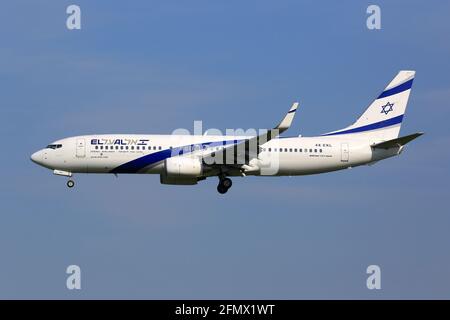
221	189
227	183
70	183
224	185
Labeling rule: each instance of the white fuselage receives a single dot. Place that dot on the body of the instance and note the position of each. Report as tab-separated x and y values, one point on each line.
124	153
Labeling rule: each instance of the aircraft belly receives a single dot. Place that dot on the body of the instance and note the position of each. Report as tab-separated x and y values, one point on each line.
309	164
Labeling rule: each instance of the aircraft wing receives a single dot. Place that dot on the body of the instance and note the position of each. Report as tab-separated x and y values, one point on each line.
240	153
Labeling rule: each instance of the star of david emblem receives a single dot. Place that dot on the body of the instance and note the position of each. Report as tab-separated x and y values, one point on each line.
387	108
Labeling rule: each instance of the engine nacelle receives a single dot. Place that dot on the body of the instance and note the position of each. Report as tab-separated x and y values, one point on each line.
183	167
177	180
181	170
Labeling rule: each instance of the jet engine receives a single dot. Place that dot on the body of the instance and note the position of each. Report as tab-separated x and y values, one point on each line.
181	171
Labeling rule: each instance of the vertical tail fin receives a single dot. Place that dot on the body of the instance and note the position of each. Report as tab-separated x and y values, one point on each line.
383	118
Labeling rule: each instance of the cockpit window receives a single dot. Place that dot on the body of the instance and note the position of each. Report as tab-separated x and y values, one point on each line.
54	146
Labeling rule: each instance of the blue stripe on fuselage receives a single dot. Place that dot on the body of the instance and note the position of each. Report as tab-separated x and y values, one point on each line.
140	163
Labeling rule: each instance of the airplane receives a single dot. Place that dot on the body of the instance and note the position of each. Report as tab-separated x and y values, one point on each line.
188	159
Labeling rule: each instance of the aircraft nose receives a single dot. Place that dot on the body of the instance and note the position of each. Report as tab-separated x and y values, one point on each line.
37	157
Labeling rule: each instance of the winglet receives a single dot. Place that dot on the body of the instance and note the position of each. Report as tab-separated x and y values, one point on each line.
286	122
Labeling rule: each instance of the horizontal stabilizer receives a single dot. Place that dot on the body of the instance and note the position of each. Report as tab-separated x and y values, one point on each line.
398	142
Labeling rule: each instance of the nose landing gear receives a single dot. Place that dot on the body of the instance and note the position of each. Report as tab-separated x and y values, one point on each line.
70	183
224	185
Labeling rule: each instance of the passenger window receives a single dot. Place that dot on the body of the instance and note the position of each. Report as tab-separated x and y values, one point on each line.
290	150
96	147
159	148
310	150
315	150
270	149
126	147
117	147
132	147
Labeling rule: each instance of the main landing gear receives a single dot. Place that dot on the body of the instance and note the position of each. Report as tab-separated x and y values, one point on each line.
224	185
70	183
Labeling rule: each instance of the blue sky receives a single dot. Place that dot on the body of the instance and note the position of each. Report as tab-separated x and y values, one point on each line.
154	66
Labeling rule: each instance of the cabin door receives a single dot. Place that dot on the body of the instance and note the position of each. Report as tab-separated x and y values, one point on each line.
81	148
344	152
